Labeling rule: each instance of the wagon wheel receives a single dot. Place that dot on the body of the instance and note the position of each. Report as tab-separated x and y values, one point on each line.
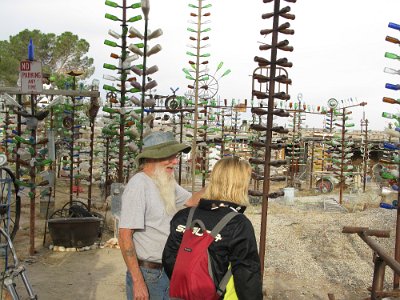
77	209
324	185
73	203
111	97
68	122
59	213
172	103
208	87
10	203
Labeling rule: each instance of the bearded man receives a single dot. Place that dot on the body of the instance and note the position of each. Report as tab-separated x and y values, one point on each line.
149	201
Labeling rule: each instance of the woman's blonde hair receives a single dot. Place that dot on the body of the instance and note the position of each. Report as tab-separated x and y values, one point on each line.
229	181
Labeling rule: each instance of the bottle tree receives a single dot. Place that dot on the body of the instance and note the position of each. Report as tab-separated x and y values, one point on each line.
295	147
391	170
117	108
365	150
197	60
269	92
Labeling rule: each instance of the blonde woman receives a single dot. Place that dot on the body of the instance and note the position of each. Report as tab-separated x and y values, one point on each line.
236	245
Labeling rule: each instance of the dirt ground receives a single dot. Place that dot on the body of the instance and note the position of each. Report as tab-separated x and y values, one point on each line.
307	256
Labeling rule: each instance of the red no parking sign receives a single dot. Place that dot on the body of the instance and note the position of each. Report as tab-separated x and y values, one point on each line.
31	77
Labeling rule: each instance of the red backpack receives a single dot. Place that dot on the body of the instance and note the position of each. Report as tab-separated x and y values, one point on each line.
192	277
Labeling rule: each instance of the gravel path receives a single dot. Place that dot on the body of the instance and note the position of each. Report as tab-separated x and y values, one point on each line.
307	255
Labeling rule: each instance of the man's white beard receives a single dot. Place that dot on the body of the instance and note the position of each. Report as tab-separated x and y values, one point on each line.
166	185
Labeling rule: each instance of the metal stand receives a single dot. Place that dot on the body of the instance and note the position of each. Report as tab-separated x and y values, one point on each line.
14	271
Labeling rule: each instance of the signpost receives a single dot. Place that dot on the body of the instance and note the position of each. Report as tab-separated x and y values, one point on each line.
31	77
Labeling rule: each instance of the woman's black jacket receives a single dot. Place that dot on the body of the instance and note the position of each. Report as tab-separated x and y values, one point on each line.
237	246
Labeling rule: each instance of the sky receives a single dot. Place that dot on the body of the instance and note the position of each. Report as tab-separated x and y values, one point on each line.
338	45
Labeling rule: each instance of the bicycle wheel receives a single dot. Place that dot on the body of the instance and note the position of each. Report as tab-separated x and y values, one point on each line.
10	202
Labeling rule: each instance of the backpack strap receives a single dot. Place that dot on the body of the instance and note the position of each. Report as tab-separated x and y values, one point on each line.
222	223
224	281
190	217
216	230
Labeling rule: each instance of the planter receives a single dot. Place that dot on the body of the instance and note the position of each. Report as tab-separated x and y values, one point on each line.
74	232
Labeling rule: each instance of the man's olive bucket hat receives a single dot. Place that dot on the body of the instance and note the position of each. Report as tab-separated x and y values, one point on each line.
161	144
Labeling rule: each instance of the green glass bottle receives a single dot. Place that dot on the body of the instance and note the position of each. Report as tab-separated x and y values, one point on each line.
390	116
107	131
388	175
110	110
110	43
111	3
44	162
109	67
111	17
24	184
204	78
19	139
110	88
134	19
136	5
392	55
134	90
140	46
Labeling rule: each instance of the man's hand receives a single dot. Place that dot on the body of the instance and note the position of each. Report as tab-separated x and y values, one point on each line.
194	200
129	254
140	291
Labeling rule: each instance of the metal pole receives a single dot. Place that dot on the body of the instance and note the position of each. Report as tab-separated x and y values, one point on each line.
91	163
341	187
264	210
396	277
122	99
146	22
180	140
32	194
71	152
312	164
366	156
196	97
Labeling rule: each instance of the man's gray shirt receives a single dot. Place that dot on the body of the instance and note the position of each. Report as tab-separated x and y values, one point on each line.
143	210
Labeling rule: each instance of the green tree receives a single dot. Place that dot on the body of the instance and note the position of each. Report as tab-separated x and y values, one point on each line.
58	54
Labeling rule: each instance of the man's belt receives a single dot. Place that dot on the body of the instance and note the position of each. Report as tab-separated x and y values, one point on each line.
149	264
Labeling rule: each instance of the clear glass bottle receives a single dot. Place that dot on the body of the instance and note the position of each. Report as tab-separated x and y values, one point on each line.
391	71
